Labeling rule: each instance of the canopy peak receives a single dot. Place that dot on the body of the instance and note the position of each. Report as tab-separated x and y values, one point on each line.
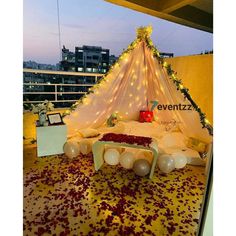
144	32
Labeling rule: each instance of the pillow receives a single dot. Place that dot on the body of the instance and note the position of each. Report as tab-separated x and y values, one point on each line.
197	145
173	140
89	133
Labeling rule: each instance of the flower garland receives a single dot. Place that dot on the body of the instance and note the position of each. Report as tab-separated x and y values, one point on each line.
143	33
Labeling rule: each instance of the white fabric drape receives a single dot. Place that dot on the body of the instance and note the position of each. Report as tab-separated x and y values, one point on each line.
137	80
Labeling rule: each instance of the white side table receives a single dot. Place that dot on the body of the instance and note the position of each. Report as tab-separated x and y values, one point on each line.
51	139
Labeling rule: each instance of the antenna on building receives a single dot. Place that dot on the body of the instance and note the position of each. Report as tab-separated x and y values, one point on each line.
59	30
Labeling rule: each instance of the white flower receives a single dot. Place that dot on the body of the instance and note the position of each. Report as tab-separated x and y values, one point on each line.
42	107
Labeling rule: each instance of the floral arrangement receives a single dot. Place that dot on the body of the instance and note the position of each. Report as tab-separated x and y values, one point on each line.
42	108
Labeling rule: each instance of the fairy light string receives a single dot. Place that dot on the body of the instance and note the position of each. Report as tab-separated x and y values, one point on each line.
143	34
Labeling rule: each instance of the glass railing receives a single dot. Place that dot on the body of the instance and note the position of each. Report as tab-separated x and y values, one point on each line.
59	87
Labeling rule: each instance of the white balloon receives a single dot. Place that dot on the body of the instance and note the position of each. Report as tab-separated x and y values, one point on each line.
119	149
127	160
144	155
166	163
180	160
112	157
85	147
71	149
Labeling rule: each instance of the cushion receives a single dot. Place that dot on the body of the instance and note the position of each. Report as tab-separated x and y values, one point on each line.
89	133
196	145
142	129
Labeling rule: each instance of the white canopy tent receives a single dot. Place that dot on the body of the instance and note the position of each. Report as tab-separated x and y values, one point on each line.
139	77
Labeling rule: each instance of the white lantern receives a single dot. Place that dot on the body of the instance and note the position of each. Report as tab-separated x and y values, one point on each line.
112	157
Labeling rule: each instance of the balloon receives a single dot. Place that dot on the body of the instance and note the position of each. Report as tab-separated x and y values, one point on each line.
85	147
71	149
119	149
141	167
144	155
112	157
180	160
166	163
127	160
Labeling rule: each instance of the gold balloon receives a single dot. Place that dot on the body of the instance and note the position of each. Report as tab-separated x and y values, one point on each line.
71	149
141	167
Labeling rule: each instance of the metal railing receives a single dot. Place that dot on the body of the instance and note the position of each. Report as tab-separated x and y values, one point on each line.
55	92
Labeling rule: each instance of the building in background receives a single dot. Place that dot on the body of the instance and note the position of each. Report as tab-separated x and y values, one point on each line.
112	59
166	54
39	66
89	59
68	60
92	59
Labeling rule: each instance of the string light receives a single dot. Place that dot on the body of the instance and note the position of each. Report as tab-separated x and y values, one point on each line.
165	64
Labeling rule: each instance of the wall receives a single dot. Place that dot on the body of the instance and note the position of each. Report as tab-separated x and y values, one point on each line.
196	73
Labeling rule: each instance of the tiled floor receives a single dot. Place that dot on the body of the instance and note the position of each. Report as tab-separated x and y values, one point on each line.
67	197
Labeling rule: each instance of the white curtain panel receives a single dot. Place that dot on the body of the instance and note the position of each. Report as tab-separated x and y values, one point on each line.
129	87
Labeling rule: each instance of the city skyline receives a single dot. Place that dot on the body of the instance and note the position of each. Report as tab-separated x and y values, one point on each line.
99	23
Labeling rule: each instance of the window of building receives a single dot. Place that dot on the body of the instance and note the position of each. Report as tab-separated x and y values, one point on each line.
65	58
104	70
103	52
80	68
95	57
95	70
89	69
104	64
89	57
80	50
